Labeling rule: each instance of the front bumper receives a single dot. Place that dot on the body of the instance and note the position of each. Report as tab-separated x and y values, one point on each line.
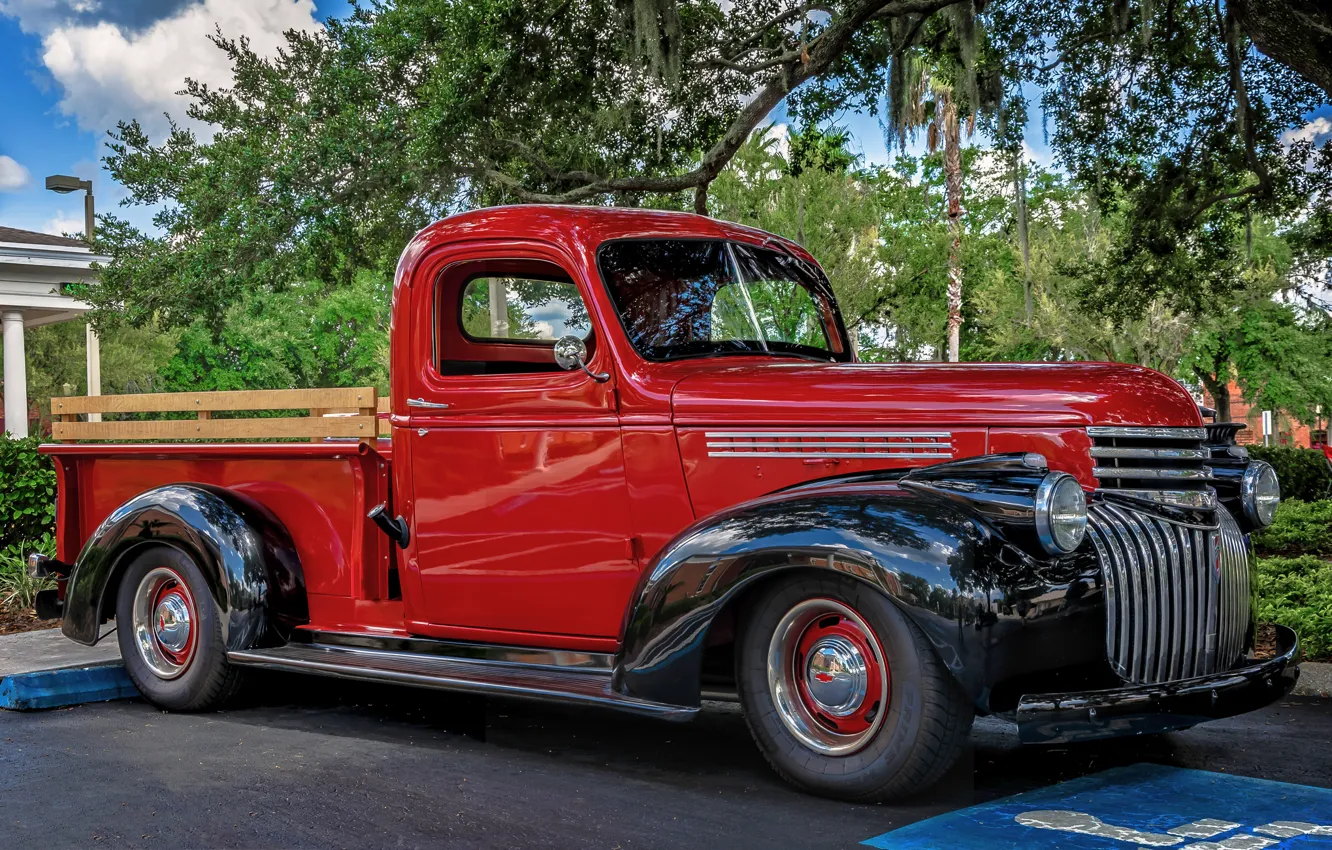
1149	709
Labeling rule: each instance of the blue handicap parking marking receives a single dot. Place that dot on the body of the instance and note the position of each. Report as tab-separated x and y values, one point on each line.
1130	808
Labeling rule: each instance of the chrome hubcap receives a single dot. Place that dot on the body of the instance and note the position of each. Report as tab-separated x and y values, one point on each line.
162	621
173	622
835	675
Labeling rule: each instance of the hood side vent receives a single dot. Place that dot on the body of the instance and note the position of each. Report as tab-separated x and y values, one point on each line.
925	445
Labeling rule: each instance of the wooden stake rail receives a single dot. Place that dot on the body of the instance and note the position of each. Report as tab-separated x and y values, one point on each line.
340	412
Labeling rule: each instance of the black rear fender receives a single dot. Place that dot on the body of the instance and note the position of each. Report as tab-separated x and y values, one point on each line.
254	575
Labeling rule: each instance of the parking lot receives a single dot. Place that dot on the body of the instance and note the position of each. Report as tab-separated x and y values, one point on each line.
325	763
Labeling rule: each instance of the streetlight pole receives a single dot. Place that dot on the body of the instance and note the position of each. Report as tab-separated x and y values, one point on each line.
64	184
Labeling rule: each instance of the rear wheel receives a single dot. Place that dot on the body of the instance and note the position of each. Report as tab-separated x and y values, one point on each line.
843	693
170	633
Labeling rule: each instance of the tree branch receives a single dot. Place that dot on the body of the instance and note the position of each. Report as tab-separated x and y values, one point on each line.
1064	54
792	71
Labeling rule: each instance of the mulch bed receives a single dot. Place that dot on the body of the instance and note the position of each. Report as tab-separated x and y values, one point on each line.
12	622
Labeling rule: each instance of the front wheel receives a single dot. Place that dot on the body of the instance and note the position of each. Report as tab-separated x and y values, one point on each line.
844	695
170	633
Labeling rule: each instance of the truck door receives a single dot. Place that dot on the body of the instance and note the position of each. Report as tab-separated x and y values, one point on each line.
522	528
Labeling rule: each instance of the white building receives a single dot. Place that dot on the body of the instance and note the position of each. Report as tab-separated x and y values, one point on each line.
33	270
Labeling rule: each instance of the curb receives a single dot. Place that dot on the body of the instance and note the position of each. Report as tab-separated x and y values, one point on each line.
1315	680
66	686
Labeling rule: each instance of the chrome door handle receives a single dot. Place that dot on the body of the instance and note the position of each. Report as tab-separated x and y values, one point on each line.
429	405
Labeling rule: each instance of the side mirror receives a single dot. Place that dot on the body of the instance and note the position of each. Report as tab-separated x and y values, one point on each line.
571	353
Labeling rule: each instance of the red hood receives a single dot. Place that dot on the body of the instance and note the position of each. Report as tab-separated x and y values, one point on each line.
1028	394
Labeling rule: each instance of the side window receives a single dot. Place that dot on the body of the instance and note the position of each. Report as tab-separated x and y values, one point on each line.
516	309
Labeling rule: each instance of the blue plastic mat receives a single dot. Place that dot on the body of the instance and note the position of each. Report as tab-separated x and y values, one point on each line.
68	686
1143	806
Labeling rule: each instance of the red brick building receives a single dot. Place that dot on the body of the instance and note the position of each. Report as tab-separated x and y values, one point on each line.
1285	430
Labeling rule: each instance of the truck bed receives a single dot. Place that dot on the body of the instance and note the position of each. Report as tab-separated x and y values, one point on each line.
320	492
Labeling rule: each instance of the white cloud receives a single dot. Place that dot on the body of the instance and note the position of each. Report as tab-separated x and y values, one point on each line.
62	223
12	175
1317	131
109	73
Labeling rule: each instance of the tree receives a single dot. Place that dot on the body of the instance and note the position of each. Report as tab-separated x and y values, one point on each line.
1169	116
324	159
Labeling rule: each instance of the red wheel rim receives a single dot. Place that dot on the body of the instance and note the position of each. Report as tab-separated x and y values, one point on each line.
848	717
164	622
828	677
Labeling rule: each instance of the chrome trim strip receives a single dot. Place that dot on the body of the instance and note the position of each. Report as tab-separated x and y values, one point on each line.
1197	499
1151	454
711	435
818	454
462	651
1204	473
777	444
428	405
1147	432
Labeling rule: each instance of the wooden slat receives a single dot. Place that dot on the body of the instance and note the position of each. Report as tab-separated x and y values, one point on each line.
365	427
346	398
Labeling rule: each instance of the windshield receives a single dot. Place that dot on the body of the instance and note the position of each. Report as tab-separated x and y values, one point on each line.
697	297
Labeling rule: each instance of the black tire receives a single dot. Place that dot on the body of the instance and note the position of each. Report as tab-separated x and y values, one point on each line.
205	679
928	716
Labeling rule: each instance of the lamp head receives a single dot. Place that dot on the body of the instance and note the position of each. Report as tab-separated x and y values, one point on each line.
64	184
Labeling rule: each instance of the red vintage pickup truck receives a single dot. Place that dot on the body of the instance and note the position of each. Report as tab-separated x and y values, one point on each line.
633	462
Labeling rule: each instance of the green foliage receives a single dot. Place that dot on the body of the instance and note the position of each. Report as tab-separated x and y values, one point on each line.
305	336
1297	593
27	499
1305	474
18	590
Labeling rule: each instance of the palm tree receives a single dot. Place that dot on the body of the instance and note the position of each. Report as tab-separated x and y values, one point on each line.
924	99
925	88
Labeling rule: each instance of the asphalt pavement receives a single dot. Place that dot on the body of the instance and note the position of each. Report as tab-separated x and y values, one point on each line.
304	762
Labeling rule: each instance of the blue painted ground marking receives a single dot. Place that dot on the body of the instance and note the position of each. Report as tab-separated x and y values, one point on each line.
1128	808
68	686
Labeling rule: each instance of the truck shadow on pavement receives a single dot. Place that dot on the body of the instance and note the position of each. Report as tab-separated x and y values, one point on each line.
716	749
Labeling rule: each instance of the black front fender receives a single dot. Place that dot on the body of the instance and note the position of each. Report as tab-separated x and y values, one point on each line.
923	553
246	556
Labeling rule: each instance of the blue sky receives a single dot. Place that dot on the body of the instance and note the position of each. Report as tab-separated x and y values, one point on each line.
69	69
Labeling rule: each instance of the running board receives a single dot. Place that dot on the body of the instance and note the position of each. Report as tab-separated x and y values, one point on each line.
498	678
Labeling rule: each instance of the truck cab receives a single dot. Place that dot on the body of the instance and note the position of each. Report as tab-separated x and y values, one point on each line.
632	460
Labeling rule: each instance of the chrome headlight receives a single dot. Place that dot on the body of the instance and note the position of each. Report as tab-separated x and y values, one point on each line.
1061	513
1260	493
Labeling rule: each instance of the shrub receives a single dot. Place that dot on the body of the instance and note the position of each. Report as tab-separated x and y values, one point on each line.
1301	528
27	492
1297	592
1305	474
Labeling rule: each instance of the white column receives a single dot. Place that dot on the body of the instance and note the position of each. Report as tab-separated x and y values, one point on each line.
94	368
16	375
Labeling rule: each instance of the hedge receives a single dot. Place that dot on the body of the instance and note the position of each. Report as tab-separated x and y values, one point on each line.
27	492
1297	592
1301	528
1305	474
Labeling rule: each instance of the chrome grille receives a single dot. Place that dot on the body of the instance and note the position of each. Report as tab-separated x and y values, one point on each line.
1159	464
1177	594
